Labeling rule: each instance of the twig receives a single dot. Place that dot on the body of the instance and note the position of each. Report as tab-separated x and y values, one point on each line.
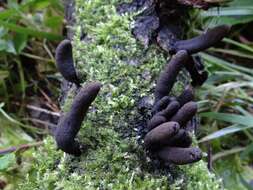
50	125
47	50
36	57
31	107
53	106
20	148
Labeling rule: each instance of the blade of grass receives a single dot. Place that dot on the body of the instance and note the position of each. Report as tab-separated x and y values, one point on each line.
232	52
223	132
227	153
238	44
227	65
230	118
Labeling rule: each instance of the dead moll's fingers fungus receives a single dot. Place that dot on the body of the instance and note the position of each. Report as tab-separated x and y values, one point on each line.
168	77
180	156
65	62
203	41
168	132
168	136
186	96
196	69
69	125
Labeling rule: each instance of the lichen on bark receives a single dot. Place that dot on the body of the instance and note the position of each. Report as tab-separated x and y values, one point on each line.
106	51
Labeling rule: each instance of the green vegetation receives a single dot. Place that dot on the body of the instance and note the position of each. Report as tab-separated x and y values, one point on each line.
115	160
29	32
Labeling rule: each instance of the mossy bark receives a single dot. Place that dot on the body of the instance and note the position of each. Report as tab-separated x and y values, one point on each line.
105	51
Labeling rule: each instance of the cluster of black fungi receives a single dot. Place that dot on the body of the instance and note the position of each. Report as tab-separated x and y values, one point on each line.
170	127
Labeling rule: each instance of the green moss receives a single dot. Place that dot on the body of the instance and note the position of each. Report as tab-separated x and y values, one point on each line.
111	55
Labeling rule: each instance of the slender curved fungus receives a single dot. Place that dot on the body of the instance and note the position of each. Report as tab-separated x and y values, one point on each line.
155	121
168	136
161	104
186	96
180	156
168	77
170	43
201	42
181	139
160	135
171	109
185	113
167	128
65	62
69	125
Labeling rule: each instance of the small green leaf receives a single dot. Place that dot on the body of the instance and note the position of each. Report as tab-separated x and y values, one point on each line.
20	41
7	161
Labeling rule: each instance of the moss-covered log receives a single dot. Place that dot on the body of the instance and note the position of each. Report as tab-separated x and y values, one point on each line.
105	50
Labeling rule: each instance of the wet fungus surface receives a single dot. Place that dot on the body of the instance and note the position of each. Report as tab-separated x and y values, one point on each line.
65	62
70	123
169	128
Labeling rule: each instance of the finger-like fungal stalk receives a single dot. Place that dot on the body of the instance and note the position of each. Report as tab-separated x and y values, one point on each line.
186	96
69	125
185	113
170	110
202	42
161	104
161	134
155	121
168	77
196	70
65	62
181	139
179	155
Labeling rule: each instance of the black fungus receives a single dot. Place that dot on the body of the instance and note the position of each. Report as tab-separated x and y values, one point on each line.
69	125
186	96
161	104
168	41
203	41
65	62
185	113
181	139
155	121
170	110
196	70
167	134
161	134
168	76
180	156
